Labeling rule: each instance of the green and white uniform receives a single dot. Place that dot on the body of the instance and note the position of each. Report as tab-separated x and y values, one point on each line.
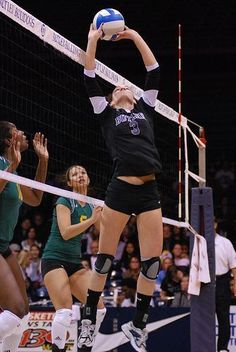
10	202
66	250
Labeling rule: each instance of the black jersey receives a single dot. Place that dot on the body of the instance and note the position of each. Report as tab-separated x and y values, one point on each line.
128	134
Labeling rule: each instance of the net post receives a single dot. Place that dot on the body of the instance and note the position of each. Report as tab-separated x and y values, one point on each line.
202	319
202	157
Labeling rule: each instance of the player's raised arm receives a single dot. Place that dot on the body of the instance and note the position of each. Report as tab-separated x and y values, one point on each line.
95	92
145	51
33	197
93	36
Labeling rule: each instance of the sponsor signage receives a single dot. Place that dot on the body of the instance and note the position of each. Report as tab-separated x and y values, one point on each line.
37	338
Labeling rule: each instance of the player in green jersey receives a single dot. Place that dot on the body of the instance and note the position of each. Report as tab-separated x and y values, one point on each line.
13	297
63	272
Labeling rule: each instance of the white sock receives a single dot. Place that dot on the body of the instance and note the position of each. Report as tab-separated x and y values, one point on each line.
9	322
60	325
11	342
76	312
99	319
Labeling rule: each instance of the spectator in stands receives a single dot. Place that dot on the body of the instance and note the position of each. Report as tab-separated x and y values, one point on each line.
122	242
185	249
33	271
177	234
64	275
171	283
24	260
168	240
182	298
133	270
165	264
13	298
129	251
178	258
94	251
38	219
21	230
41	226
86	264
15	248
132	228
166	254
31	238
127	297
91	235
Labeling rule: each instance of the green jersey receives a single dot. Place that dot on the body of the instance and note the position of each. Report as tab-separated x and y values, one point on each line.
66	250
10	202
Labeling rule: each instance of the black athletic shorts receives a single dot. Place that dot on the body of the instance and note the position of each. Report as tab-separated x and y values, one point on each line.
6	253
51	264
132	199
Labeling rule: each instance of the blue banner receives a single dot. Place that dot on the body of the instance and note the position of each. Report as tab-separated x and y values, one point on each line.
169	330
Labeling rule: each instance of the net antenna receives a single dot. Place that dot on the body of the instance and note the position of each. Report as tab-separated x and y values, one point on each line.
48	36
180	122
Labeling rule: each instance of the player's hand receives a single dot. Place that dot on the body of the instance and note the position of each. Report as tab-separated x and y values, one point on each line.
95	34
40	146
128	33
96	215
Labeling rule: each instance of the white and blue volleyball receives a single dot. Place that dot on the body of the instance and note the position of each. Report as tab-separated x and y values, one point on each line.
113	22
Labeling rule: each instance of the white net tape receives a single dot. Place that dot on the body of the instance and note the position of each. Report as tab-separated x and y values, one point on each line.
68	194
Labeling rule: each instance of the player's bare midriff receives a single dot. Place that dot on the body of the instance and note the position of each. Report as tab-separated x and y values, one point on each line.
137	180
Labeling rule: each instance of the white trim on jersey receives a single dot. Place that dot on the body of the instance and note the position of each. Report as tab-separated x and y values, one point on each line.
90	73
152	67
149	97
99	104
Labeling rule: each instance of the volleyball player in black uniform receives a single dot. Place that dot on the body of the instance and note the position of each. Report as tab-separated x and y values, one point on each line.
127	128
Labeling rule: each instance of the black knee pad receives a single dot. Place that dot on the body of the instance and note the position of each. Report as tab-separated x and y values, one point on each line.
150	267
103	263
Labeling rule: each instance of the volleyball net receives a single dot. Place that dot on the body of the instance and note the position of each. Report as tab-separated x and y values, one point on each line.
42	89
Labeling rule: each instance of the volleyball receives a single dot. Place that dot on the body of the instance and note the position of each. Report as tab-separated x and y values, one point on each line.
113	22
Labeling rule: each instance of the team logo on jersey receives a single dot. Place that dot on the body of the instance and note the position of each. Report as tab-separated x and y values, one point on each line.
133	121
82	218
132	117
